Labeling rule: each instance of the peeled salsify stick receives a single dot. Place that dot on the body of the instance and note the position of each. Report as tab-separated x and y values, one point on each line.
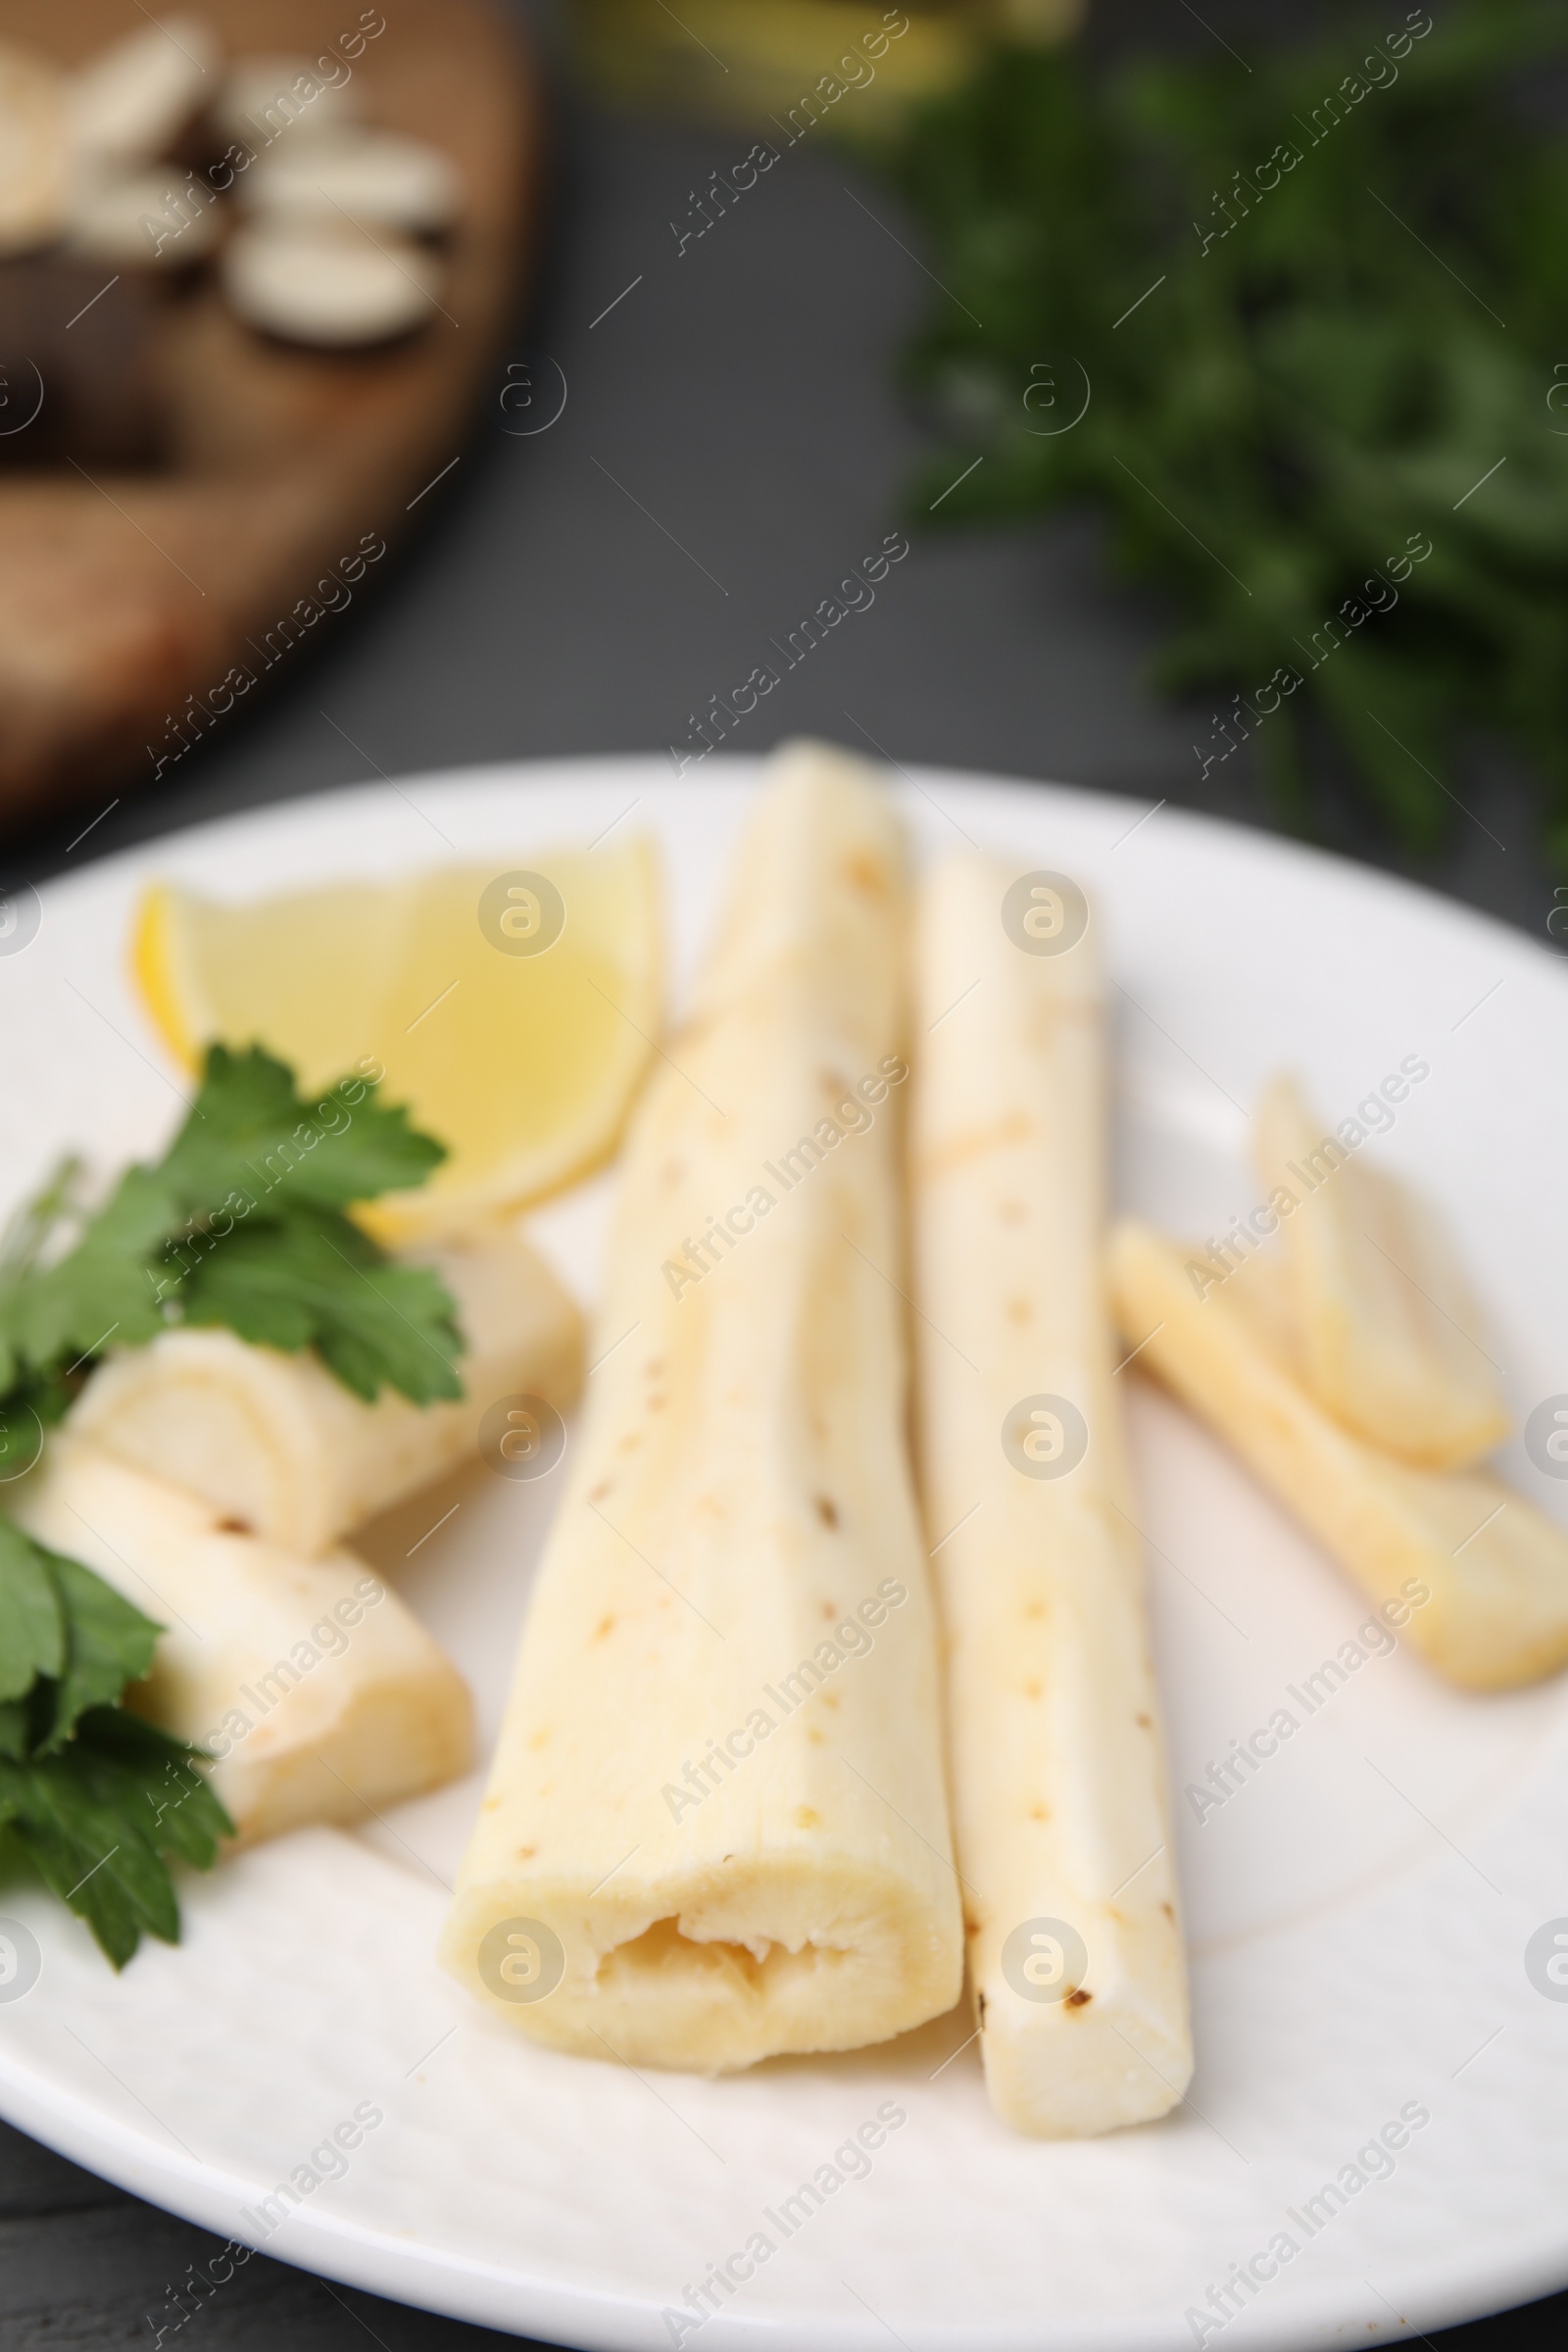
1488	1573
276	1444
1390	1329
1057	1767
323	1697
716	1825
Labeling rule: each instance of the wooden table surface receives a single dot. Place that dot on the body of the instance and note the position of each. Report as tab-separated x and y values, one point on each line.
738	399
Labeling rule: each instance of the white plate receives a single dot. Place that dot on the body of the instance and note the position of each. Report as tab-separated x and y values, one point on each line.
1358	1914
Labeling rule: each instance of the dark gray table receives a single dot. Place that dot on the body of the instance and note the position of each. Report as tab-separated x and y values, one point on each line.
729	446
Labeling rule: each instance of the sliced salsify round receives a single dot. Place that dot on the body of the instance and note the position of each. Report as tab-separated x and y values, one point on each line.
325	284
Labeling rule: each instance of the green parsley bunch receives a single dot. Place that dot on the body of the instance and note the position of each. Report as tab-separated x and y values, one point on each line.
1284	326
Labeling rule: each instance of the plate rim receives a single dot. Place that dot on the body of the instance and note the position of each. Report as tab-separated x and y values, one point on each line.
747	768
467	2287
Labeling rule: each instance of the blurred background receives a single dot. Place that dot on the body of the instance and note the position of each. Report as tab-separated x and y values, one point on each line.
643	399
736	422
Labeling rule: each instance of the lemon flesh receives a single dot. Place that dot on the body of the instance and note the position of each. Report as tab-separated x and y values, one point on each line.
522	1058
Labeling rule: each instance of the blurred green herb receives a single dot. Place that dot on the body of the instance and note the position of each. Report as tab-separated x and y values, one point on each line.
1314	310
100	1800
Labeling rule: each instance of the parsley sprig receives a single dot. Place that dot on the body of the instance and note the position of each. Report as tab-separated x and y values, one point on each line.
242	1223
1319	304
100	1800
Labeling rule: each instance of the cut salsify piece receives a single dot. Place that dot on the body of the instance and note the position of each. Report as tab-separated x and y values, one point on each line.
321	283
716	1827
1496	1569
322	1696
1057	1767
274	1441
1389	1328
129	102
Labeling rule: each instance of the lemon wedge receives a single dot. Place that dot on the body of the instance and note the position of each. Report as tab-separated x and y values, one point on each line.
512	1005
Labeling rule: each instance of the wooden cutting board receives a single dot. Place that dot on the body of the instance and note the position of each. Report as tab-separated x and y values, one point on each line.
135	606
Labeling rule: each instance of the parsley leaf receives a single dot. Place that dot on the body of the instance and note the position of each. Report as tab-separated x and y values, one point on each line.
101	1819
99	1799
56	1319
249	1131
107	1645
1282	294
68	1640
242	1223
32	1632
320	1282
